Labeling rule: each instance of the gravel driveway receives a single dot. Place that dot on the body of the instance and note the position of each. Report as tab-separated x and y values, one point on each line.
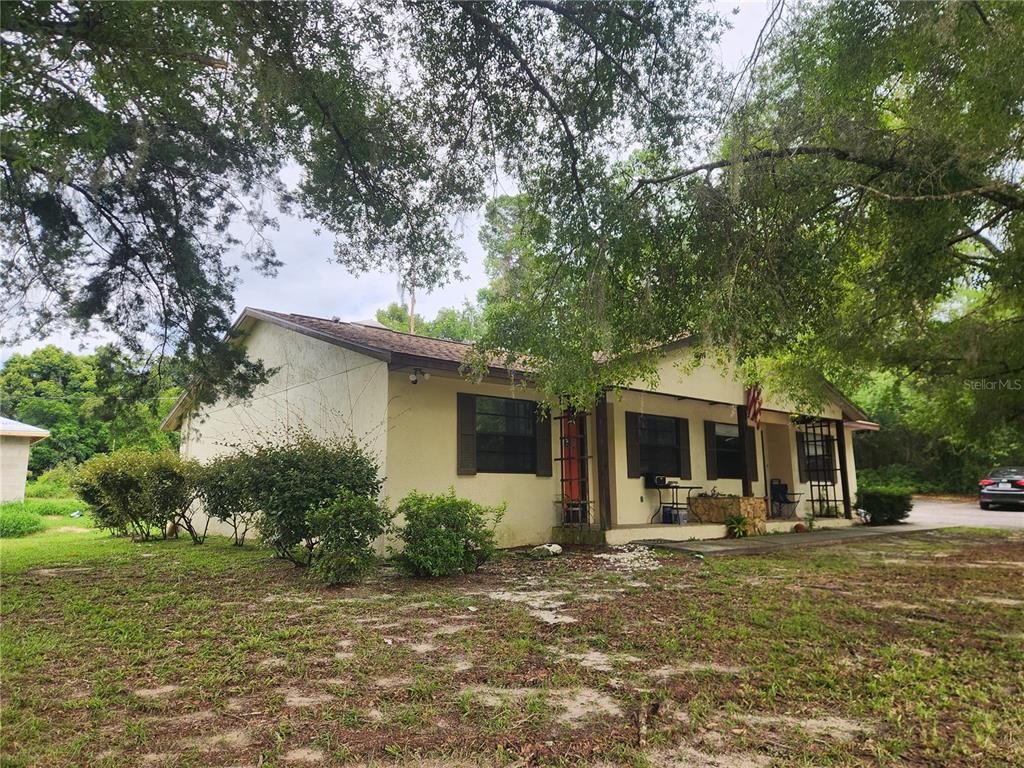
935	513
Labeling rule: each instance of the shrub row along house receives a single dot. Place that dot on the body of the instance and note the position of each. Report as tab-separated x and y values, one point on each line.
606	475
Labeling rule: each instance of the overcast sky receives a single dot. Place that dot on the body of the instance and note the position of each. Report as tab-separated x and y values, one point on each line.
311	283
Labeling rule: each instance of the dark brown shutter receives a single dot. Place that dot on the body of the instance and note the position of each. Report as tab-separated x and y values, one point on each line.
632	444
683	430
466	434
710	457
543	443
752	454
801	457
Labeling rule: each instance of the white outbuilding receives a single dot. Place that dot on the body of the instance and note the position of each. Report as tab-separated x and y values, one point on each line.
15	439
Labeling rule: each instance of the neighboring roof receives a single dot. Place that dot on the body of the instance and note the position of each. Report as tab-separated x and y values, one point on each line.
12	428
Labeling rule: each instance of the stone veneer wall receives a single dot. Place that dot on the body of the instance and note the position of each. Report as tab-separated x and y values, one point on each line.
716	509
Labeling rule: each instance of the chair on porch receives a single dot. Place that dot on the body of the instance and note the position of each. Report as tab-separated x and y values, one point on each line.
783	504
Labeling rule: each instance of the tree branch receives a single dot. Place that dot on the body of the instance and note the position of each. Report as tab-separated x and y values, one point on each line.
468	7
787	153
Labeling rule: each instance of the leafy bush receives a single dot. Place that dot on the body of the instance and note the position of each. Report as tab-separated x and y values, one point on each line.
288	482
444	534
225	485
737	526
18	522
884	506
141	494
61	507
344	530
51	506
53	483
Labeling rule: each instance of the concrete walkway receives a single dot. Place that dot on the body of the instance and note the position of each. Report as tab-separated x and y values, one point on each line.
927	515
755	545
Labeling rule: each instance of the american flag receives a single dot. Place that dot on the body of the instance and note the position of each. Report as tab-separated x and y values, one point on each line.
754	405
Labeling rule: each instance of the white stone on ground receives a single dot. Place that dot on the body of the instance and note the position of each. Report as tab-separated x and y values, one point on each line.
630	558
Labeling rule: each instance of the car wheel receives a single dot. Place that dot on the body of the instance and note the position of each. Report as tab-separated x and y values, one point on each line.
984	504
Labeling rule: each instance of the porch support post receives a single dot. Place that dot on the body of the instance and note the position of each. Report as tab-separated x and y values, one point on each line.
604	489
741	422
844	470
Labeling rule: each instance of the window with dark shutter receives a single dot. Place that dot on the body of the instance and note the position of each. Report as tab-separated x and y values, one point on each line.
543	445
752	453
506	435
710	456
657	445
466	434
801	457
723	453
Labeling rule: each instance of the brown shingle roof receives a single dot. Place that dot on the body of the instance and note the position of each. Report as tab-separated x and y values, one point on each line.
388	344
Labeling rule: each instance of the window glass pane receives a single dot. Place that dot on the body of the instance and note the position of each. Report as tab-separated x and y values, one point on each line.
820	458
727	430
658	443
505	440
727	451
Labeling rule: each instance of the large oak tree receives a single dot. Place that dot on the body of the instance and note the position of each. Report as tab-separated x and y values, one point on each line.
142	142
864	210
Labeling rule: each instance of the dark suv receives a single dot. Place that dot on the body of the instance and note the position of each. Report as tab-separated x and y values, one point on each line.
1003	485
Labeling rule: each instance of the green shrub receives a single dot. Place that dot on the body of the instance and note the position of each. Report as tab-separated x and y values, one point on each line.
288	482
18	522
140	494
884	506
44	507
55	483
225	486
737	526
444	534
344	530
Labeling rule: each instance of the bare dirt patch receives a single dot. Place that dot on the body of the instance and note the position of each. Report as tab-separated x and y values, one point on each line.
690	667
393	681
543	605
300	698
993	600
689	757
896	604
573	706
61	571
303	755
603	662
237	738
837	728
449	629
272	663
159	692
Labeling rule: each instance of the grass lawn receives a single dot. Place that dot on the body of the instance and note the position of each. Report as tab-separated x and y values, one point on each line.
893	651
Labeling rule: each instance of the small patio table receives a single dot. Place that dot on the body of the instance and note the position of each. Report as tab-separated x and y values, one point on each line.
673	511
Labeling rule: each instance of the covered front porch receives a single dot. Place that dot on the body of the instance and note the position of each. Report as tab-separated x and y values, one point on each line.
642	466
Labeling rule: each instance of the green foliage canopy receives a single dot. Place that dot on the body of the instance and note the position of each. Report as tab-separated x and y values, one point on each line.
88	403
136	135
864	211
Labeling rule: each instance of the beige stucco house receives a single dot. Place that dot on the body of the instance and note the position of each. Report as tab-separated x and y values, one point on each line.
608	472
15	439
